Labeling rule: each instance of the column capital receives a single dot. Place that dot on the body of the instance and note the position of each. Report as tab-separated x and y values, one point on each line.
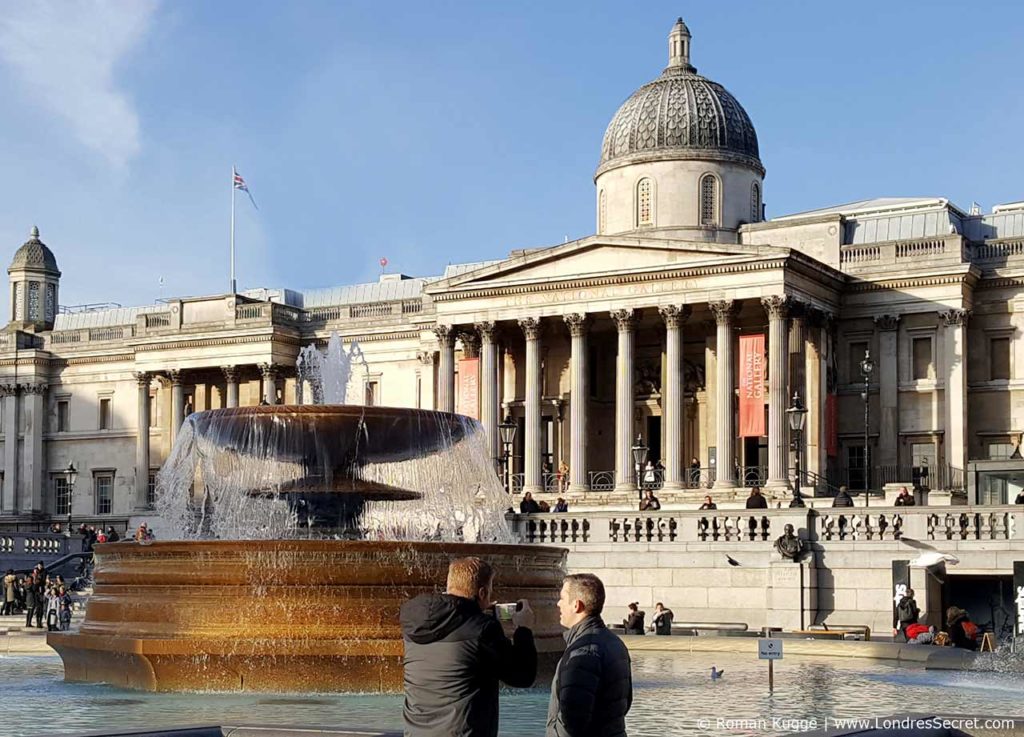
578	323
887	322
819	318
230	373
9	390
34	388
175	376
675	315
777	306
142	378
269	370
625	319
488	330
445	335
470	343
426	358
955	318
530	327
724	310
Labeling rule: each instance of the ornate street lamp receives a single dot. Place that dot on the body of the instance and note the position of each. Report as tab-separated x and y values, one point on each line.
867	367
70	476
639	459
507	431
797	417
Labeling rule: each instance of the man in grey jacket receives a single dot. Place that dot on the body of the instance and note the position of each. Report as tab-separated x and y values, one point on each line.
455	654
593	685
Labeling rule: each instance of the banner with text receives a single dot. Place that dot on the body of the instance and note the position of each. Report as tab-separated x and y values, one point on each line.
469	388
752	386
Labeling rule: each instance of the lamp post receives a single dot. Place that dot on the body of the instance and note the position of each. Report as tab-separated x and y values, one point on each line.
797	414
639	459
867	366
507	431
70	476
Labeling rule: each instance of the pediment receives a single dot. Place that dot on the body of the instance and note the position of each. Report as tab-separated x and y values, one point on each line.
596	257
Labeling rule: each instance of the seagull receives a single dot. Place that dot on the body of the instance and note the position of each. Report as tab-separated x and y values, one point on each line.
932	559
732	561
716	674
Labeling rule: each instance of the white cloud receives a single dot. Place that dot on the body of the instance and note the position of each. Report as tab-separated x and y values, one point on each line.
65	53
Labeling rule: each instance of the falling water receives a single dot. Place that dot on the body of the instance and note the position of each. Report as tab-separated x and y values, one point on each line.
341	472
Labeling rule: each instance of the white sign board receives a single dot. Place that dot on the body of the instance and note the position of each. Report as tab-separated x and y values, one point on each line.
769	649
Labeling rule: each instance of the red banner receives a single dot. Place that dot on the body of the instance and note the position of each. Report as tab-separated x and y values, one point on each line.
831	426
469	388
752	386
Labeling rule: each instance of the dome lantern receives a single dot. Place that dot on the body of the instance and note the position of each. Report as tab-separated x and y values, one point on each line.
34	285
679	48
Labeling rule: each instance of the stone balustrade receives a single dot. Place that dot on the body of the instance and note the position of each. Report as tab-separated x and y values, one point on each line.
740	526
950	248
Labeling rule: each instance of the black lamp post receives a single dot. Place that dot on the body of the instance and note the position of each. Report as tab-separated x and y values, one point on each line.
70	476
797	417
639	459
867	367
507	430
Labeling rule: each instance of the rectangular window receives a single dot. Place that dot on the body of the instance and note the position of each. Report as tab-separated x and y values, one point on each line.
63	408
372	390
105	414
999	358
921	358
152	410
1000	451
103	483
859	475
857	351
61	495
151	490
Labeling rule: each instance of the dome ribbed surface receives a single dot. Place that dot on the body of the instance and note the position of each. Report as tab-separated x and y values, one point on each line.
34	254
684	113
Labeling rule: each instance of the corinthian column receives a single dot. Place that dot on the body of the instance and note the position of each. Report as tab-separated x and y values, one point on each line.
142	442
446	368
672	399
177	402
725	431
955	340
9	501
231	378
533	480
625	321
489	386
888	390
777	307
269	372
579	394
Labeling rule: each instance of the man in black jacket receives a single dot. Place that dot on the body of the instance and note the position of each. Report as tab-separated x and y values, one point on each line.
593	685
455	654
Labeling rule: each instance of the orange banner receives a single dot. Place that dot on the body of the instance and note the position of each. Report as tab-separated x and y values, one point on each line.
752	386
831	426
469	388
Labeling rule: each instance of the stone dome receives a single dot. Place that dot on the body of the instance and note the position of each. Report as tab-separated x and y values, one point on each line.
680	115
34	254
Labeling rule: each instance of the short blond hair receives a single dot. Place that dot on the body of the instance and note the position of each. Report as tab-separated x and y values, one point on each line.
466	576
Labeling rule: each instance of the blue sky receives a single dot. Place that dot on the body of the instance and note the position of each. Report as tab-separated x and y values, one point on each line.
435	133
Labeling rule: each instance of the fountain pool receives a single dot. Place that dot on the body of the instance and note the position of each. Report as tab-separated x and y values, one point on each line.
672	694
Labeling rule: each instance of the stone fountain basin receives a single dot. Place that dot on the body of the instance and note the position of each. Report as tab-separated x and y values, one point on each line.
279	615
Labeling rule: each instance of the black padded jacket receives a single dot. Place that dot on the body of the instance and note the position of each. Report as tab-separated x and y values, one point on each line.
593	686
454	657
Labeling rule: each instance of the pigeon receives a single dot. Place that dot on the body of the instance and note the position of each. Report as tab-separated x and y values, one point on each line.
732	561
716	674
931	559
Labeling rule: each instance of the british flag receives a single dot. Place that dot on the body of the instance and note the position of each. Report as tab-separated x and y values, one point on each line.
240	184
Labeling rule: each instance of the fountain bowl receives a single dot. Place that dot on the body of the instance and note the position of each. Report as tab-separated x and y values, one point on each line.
279	615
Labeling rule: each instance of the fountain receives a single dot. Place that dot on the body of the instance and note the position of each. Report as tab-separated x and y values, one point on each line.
302	531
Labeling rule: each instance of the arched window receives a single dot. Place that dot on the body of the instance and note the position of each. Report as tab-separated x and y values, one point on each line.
755	203
645	202
709	200
602	212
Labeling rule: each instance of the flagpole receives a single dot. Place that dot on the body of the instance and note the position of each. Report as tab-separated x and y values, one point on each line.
233	289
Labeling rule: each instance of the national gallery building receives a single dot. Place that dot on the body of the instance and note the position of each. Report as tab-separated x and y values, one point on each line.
687	320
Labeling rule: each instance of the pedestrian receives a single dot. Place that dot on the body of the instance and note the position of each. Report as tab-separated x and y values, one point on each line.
529	505
756	500
563	476
10	595
455	655
633	624
708	503
650	502
33	602
905	498
662	622
962	631
843	498
593	685
905	615
112	536
694	471
561	505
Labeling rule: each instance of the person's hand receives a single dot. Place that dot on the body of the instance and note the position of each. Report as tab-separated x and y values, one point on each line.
524	617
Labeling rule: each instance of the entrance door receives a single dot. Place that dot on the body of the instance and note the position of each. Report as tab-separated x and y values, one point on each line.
654	438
